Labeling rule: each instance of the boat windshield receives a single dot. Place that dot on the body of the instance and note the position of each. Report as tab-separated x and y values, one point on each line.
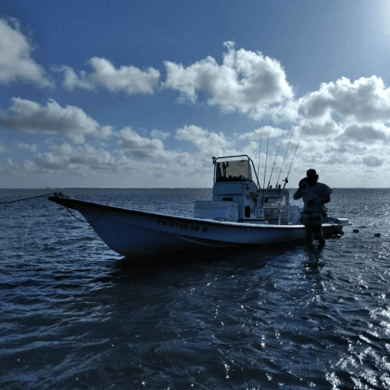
233	171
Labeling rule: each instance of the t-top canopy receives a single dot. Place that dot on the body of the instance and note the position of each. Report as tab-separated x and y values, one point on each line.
233	171
230	168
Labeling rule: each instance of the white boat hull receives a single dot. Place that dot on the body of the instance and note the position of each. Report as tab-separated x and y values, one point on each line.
135	233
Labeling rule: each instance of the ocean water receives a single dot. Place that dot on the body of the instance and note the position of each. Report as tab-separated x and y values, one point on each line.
75	315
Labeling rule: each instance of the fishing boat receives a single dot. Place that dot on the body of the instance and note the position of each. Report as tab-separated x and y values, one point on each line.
240	213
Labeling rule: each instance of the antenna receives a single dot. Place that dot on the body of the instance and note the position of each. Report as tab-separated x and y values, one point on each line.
292	161
261	136
266	153
284	158
276	155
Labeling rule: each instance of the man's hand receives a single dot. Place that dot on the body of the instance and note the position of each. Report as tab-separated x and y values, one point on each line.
302	184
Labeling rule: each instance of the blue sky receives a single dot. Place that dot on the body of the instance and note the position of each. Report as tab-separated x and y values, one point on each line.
144	93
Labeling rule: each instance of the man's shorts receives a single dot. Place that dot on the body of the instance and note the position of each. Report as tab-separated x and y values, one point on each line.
312	222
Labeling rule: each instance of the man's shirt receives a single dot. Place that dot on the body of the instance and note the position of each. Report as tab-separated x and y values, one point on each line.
318	193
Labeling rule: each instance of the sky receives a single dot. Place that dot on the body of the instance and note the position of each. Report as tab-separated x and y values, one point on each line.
142	94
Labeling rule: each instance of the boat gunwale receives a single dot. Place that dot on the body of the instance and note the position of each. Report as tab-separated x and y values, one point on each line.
67	202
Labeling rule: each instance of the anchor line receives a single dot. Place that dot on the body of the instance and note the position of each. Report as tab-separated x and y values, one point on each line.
292	161
276	154
33	197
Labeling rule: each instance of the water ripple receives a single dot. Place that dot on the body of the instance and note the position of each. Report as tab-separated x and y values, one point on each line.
75	315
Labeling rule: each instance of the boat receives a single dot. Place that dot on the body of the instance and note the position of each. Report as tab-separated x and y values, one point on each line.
240	213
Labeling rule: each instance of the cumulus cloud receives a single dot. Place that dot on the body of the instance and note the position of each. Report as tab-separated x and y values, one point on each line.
340	161
87	166
256	134
366	133
365	100
320	127
30	147
68	157
149	164
104	132
15	57
245	82
373	161
28	116
207	142
344	128
346	131
129	79
140	146
159	134
72	80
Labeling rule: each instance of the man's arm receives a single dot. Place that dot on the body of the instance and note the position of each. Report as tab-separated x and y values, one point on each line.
299	193
316	202
326	194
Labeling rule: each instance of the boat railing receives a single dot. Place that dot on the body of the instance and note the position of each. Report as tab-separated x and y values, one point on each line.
276	203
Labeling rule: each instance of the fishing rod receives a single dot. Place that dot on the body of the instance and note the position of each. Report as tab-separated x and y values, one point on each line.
261	136
276	155
292	161
284	158
266	153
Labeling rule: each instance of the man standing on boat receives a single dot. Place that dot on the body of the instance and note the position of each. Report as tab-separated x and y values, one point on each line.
314	195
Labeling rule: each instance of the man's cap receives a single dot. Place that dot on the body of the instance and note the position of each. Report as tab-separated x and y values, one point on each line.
311	172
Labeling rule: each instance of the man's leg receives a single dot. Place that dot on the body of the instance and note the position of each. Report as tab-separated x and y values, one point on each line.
317	229
309	233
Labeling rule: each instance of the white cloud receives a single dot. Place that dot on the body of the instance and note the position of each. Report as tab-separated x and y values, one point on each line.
25	115
346	131
207	142
341	162
140	146
317	127
366	100
263	133
72	81
15	57
373	161
68	157
30	147
150	164
366	133
85	165
245	82
159	134
129	79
